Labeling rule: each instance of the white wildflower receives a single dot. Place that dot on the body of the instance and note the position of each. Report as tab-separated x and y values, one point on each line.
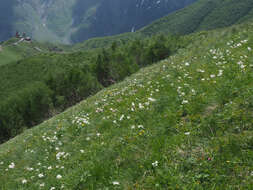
58	176
29	169
185	102
242	66
40	175
220	73
24	181
155	164
12	165
115	183
141	106
59	155
151	99
187	133
121	118
140	127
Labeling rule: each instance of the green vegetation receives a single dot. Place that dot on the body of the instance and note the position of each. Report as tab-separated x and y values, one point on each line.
35	88
202	15
184	123
13	50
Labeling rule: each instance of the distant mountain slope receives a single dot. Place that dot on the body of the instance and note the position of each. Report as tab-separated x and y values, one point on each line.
119	16
203	15
6	18
68	21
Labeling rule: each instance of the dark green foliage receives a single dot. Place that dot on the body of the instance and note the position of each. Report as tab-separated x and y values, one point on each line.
115	63
24	108
36	88
71	87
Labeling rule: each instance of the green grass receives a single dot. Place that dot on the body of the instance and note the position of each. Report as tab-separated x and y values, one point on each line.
12	52
184	123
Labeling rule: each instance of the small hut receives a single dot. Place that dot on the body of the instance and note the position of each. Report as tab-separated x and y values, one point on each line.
17	35
28	39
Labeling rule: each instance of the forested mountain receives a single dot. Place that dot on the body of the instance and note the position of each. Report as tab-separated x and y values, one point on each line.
202	15
68	21
117	16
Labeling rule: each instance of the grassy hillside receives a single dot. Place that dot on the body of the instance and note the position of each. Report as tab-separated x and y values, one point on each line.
184	123
14	50
202	15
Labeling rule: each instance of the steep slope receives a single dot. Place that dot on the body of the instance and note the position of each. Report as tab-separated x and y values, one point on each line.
185	123
68	21
203	15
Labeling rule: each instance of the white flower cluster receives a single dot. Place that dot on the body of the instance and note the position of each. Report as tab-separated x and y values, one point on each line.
82	120
12	165
155	164
60	155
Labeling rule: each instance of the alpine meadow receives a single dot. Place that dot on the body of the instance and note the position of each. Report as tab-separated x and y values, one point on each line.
166	105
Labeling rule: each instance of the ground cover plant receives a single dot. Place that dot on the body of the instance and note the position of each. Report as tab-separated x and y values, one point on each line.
184	123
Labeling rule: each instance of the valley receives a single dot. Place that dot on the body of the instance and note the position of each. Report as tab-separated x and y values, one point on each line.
72	21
